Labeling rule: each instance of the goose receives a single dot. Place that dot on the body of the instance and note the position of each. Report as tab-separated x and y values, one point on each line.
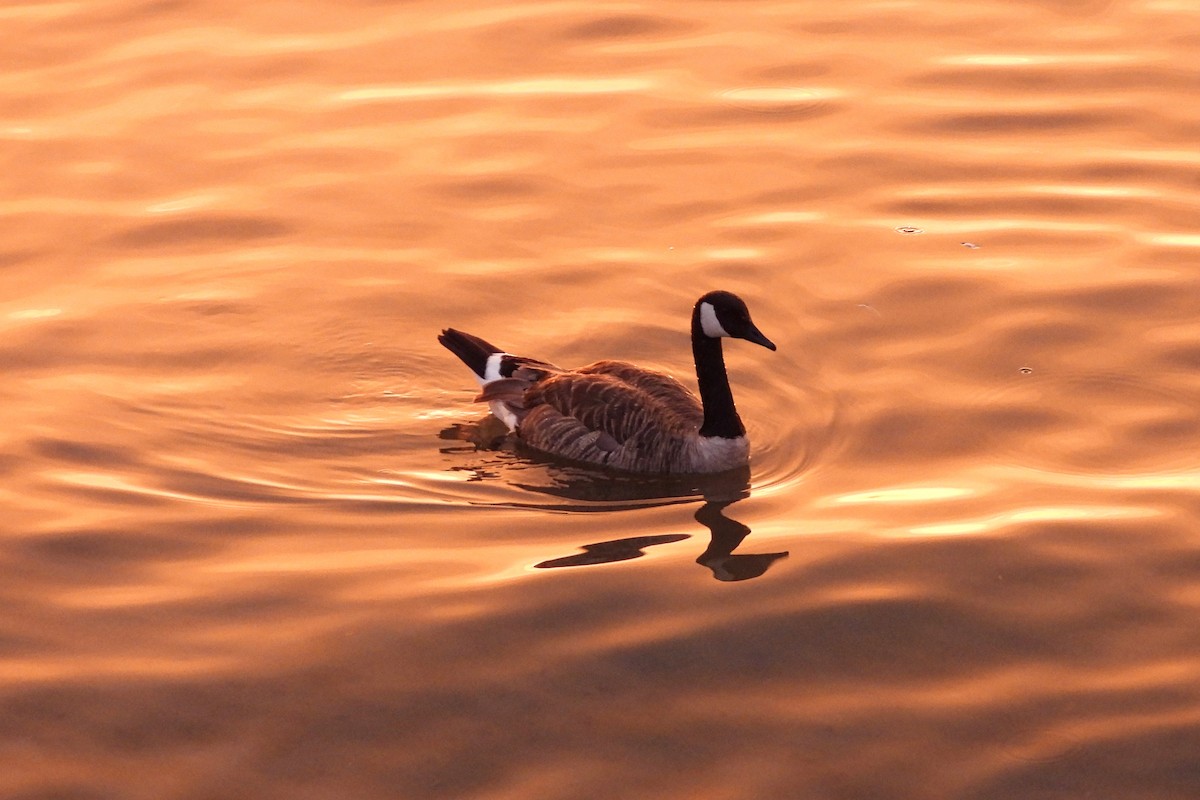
619	415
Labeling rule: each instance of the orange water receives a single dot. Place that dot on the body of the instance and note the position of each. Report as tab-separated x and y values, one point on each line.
252	547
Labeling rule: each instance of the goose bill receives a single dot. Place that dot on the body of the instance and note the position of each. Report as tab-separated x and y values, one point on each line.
756	336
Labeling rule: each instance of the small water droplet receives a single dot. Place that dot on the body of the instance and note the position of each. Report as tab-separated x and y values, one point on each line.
1026	371
970	245
909	230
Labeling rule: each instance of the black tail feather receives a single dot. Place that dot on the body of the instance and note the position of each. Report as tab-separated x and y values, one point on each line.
471	350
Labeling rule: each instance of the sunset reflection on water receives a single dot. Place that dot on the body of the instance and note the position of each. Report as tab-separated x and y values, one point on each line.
260	541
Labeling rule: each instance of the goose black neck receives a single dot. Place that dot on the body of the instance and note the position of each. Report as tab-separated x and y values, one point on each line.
720	415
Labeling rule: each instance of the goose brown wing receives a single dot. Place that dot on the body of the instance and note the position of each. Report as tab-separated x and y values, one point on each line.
526	369
600	419
604	402
657	387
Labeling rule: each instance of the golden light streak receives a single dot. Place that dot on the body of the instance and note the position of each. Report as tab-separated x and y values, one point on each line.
534	87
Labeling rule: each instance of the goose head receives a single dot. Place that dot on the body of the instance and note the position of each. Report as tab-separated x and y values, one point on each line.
724	314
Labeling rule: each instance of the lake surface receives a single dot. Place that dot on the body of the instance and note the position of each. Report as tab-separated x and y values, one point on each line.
259	542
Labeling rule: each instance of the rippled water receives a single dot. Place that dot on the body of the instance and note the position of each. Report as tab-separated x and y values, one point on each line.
260	543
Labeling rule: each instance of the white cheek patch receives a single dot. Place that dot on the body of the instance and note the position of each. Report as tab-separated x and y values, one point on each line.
709	323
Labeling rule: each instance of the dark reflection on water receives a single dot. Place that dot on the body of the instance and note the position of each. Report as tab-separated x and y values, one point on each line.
591	490
597	490
727	536
609	552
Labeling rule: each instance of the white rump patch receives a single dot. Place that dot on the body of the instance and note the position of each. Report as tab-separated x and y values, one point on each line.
708	322
491	372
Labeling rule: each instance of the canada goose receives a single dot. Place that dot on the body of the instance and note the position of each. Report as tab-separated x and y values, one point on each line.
617	414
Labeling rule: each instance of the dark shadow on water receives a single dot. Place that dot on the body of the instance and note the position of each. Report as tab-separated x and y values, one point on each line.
579	489
616	550
727	536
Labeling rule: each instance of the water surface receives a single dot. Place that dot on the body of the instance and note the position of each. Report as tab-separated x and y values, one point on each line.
259	543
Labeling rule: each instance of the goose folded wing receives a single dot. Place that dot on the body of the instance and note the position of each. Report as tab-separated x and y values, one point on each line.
658	387
610	406
526	369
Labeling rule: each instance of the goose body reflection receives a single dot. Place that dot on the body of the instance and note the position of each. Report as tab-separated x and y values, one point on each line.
726	535
582	492
619	415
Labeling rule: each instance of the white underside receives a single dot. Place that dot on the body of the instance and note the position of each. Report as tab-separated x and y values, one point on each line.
504	413
716	453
